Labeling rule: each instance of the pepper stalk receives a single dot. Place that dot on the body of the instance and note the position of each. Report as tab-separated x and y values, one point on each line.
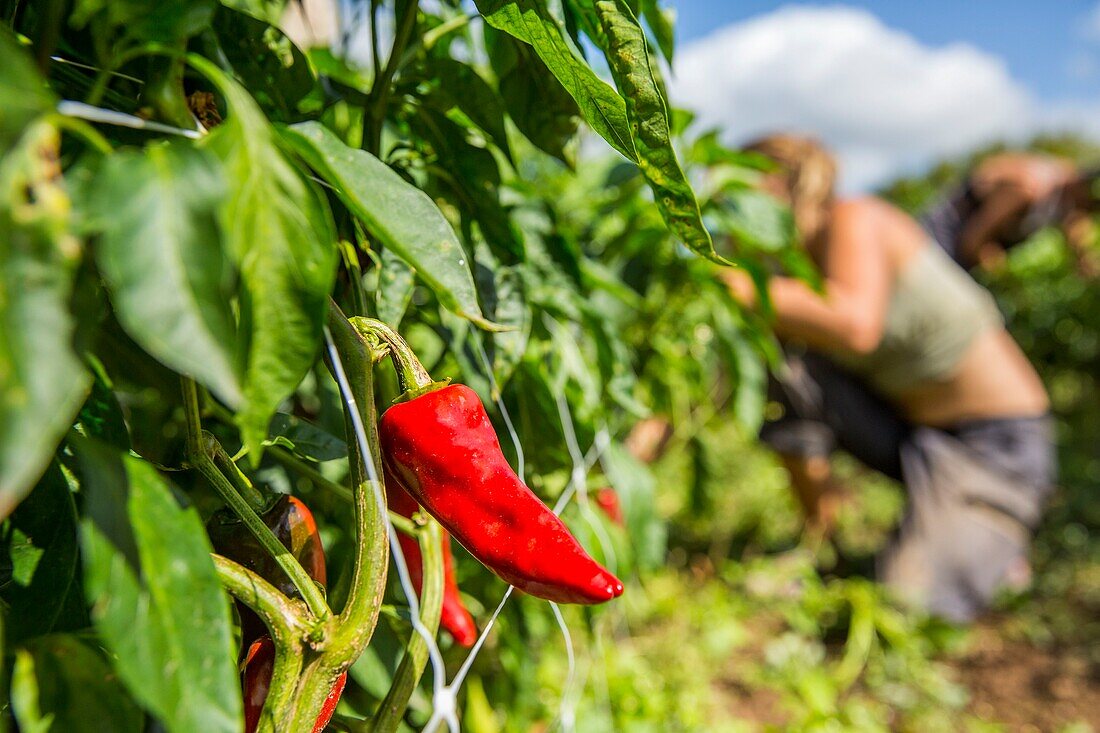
411	374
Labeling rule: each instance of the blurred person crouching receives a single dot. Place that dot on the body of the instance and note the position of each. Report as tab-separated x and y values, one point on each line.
903	361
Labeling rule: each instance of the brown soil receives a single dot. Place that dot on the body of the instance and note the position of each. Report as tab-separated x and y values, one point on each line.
1025	687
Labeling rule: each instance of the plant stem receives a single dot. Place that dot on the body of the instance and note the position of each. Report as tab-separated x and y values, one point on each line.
368	580
392	709
359	614
288	629
200	447
411	374
431	37
378	99
240	482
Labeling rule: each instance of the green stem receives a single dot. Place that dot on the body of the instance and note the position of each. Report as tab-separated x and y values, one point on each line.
283	616
165	93
230	470
392	709
368	580
201	446
433	36
411	374
288	630
359	613
379	97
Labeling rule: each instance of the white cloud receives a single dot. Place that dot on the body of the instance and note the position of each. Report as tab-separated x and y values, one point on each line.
883	101
1090	27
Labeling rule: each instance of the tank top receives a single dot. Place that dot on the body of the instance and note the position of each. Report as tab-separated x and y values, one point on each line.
935	312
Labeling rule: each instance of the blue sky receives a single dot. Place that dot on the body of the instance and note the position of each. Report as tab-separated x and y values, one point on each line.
891	86
1046	43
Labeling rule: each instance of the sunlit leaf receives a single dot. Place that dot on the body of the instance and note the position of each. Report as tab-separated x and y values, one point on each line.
400	215
75	690
42	383
161	255
538	104
40	541
396	281
628	56
280	232
23	94
531	22
156	600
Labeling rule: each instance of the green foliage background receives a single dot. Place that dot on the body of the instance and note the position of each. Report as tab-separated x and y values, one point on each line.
439	189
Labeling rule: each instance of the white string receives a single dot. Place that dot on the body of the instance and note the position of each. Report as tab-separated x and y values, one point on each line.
567	711
495	394
601	654
448	693
87	67
438	670
80	110
578	480
444	696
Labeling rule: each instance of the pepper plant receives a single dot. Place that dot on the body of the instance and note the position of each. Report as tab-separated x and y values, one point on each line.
191	207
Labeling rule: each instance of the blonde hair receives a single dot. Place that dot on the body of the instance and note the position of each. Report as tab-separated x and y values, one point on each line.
810	178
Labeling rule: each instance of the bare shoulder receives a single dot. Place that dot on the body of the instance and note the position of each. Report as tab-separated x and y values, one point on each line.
872	222
867	211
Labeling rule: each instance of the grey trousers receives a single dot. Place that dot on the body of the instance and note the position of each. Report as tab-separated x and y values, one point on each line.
976	490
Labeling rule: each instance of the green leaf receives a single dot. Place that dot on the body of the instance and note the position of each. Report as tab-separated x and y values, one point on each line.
504	295
637	489
307	439
628	56
530	21
101	416
160	253
758	220
662	22
459	86
398	214
24	696
265	61
396	281
23	93
538	104
164	21
167	619
75	690
280	232
471	176
42	383
40	538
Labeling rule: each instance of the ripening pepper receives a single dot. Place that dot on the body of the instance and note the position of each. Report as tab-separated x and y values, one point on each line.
607	499
259	665
293	524
443	450
454	616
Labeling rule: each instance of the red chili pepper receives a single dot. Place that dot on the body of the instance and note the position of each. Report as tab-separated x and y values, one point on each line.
442	448
608	500
292	522
454	617
259	665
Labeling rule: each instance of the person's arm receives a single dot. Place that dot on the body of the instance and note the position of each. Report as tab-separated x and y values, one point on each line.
850	314
980	239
